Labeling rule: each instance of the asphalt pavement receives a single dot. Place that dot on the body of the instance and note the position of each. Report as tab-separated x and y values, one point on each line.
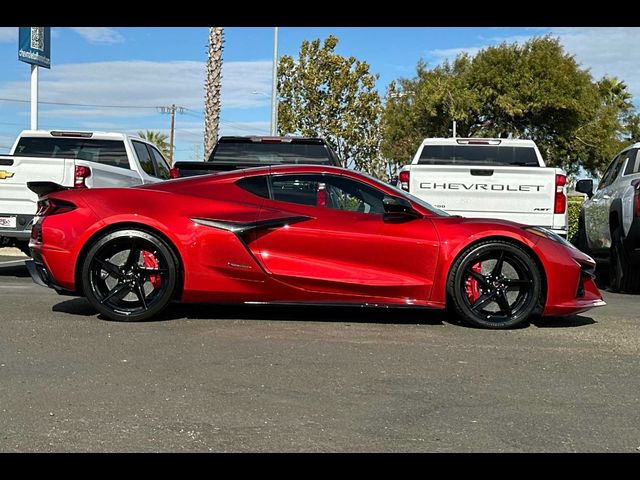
211	378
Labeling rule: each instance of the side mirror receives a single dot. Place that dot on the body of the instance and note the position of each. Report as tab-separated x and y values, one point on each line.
398	206
585	186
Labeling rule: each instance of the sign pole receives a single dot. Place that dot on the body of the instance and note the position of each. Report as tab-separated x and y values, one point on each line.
34	47
34	97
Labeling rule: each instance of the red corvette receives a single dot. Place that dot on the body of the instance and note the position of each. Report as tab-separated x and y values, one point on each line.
298	234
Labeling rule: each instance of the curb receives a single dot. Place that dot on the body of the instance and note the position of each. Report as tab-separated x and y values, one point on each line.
11	252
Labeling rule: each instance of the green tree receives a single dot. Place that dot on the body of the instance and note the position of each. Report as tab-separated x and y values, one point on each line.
327	95
532	90
159	139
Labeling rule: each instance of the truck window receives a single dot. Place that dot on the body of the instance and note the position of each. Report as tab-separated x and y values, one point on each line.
270	153
144	157
633	165
162	168
107	152
478	154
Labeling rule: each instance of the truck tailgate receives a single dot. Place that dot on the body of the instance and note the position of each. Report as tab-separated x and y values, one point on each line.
522	194
15	172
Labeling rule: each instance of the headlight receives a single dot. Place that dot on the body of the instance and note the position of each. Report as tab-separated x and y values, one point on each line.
550	235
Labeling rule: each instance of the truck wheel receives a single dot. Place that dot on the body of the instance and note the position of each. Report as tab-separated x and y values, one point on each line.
24	248
581	237
495	284
622	276
129	275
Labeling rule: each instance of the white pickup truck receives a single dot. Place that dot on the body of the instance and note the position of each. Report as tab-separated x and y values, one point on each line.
489	178
70	159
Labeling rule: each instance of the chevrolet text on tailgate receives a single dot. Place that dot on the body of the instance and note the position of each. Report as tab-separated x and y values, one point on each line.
489	178
70	160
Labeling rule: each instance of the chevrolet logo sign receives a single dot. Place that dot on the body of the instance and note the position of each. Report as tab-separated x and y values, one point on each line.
4	174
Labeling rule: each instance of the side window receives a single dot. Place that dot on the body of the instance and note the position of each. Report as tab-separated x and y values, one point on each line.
633	165
144	158
256	185
615	172
162	166
609	174
328	191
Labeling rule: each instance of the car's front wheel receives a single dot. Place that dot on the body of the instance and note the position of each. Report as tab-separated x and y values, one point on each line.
129	275
495	284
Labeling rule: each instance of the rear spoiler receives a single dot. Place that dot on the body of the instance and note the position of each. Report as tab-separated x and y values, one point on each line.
45	188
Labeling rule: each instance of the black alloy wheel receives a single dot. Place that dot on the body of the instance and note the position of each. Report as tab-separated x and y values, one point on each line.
496	284
129	275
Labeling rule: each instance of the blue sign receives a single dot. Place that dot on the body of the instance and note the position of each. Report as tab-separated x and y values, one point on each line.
34	46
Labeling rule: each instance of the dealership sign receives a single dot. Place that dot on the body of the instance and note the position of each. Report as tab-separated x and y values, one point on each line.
34	46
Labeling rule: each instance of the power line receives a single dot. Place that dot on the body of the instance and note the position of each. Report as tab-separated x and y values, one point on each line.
68	104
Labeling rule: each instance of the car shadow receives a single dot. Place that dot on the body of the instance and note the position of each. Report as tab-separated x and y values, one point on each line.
14	268
346	314
563	322
200	311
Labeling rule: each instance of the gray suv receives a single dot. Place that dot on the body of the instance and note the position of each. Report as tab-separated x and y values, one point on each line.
609	222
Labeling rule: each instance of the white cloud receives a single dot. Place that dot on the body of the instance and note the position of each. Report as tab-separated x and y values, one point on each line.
606	51
99	34
144	83
450	54
609	51
8	34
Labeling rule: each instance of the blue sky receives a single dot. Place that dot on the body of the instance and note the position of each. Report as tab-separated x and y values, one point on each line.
136	69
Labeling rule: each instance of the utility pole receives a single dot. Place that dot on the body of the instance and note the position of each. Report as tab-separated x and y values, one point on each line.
172	111
274	85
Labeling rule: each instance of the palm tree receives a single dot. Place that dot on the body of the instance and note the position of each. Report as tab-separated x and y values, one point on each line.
213	85
159	139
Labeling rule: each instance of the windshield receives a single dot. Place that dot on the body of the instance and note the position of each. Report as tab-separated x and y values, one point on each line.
408	196
478	155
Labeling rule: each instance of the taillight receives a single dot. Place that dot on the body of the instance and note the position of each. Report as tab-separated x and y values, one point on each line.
81	175
174	173
403	178
53	206
636	198
322	199
560	204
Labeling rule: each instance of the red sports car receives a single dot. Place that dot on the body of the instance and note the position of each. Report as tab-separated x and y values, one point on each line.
298	234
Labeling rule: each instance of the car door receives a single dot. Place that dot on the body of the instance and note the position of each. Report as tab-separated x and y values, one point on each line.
596	212
340	245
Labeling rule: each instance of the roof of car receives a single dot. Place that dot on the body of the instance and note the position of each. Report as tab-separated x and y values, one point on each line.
501	142
269	139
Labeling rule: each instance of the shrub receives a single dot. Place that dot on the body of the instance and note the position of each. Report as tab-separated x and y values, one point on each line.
574	205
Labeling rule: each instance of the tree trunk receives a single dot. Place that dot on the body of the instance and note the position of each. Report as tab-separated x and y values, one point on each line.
213	86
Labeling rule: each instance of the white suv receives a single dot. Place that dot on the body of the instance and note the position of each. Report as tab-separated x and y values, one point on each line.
609	223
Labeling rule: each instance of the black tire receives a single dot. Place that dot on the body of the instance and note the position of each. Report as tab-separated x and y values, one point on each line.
507	296
581	237
24	248
622	276
118	283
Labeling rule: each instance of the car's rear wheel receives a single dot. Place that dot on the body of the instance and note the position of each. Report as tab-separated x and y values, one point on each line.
495	284
129	275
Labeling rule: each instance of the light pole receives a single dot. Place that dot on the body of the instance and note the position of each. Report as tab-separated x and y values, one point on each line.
274	85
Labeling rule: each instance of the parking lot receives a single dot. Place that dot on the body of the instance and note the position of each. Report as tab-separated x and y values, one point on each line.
266	379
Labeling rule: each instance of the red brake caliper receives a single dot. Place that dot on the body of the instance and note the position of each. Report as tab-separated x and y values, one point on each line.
471	284
151	262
